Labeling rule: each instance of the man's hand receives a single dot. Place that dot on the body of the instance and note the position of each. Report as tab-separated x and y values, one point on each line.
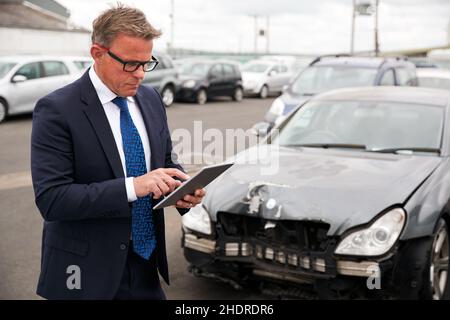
190	201
159	182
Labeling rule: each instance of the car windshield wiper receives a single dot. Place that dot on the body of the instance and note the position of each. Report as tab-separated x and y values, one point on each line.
328	145
395	150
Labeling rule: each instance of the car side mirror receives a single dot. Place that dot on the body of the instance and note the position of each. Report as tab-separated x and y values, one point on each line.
19	78
261	129
272	73
285	88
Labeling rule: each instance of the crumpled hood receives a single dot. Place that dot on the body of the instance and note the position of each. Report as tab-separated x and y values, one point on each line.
339	187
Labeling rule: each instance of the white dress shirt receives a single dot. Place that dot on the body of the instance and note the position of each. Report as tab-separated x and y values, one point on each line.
113	114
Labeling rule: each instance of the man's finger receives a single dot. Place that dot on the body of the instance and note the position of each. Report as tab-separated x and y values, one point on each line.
176	173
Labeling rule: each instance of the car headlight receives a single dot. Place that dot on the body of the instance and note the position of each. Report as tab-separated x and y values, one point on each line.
189	84
277	107
377	239
197	219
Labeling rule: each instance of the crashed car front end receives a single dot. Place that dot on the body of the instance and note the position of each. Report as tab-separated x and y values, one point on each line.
240	249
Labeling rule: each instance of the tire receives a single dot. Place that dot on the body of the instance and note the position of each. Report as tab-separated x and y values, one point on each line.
201	96
3	110
168	95
423	269
264	92
238	94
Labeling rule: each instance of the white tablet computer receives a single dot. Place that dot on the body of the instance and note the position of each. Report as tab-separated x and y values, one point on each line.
200	180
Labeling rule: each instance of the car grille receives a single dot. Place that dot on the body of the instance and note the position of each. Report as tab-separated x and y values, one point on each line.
290	234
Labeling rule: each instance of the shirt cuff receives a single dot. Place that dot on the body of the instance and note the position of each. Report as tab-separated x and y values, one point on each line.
129	185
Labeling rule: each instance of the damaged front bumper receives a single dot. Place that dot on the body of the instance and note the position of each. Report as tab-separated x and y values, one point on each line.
299	253
314	265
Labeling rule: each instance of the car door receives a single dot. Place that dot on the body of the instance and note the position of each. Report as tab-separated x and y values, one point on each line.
56	75
278	78
229	78
26	93
216	80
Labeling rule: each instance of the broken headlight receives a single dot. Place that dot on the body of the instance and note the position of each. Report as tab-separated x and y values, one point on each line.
377	239
197	219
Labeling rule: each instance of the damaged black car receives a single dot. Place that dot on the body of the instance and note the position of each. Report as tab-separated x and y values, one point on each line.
350	199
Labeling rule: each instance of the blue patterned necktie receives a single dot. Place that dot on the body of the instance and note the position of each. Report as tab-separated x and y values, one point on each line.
142	228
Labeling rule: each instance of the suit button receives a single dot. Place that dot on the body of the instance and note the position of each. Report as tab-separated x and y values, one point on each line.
123	246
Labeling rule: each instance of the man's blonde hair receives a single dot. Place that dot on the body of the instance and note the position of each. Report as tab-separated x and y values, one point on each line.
122	19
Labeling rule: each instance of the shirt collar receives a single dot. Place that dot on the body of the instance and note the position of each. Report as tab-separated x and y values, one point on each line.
104	93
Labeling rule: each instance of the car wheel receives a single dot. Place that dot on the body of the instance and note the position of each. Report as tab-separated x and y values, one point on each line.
425	266
238	94
3	110
201	96
168	95
264	92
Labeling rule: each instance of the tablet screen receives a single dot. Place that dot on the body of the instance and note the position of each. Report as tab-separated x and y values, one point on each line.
200	180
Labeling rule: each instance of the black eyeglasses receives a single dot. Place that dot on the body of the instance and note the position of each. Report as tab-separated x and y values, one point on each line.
132	66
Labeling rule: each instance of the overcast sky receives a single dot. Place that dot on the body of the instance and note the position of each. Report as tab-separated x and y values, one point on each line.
296	26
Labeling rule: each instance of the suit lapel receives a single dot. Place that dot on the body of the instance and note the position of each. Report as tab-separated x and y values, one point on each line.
97	117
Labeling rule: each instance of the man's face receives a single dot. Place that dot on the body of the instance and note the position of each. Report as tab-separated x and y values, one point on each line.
110	71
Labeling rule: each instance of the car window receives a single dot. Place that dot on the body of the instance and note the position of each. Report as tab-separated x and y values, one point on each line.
255	67
228	70
30	71
316	79
54	68
388	78
199	69
282	69
5	67
216	71
377	125
404	77
81	64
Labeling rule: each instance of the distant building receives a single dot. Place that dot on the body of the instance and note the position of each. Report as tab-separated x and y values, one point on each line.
40	27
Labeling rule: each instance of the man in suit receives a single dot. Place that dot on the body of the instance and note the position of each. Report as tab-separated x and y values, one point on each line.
101	158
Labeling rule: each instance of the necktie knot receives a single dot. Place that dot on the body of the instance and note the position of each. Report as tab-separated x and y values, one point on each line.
121	103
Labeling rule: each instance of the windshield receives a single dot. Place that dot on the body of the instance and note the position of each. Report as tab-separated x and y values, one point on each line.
373	125
5	67
199	69
318	79
255	67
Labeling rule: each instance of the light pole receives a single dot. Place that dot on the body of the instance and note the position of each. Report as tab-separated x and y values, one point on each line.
267	33
377	44
352	41
172	25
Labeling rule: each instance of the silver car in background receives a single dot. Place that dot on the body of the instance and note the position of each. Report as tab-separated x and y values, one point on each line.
26	79
264	77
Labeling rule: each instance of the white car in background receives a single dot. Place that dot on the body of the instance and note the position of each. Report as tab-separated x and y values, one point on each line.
26	79
434	78
264	77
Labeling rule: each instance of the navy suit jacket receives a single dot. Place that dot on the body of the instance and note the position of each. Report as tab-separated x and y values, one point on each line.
79	187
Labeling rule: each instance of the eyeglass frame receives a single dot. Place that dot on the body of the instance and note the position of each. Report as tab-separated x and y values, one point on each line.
138	63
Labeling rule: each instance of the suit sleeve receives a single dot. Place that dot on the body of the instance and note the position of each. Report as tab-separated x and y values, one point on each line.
57	196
